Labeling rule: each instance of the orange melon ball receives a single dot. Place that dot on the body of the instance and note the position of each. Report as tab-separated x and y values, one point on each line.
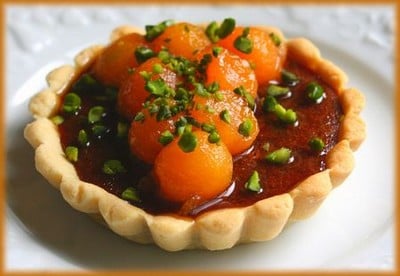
113	64
265	57
182	39
227	115
144	136
228	70
133	93
204	172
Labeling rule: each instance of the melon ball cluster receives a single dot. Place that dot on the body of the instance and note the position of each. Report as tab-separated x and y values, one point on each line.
190	94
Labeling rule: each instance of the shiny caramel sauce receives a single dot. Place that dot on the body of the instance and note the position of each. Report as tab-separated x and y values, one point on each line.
314	120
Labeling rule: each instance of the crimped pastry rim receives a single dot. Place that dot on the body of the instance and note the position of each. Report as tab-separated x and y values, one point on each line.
214	230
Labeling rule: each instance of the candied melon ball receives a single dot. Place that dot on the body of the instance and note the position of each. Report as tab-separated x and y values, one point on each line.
235	122
228	70
182	39
205	172
144	136
133	93
113	64
265	55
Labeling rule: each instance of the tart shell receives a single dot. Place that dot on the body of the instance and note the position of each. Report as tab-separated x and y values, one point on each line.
213	230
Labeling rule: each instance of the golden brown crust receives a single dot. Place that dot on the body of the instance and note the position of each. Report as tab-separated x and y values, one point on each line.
304	52
86	57
340	162
309	195
44	104
216	230
266	218
352	101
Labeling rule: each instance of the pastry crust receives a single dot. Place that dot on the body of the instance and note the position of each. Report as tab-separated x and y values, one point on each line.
214	230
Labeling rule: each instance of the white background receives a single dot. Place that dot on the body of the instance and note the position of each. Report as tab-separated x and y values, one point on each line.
352	230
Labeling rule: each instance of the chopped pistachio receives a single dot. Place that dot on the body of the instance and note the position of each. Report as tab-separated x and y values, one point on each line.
166	137
209	109
130	194
276	90
219	96
226	28
83	137
113	167
164	56
275	39
188	141
243	43
208	127
250	100
246	127
213	87
285	115
280	156
156	87
99	130
224	115
153	31
183	125
215	32
216	51
280	111
139	117
192	122
200	90
175	109
95	114
315	92
145	75
181	94
57	120
181	122
253	184
289	78
180	130
212	31
205	60
153	108
72	102
163	113
246	32
143	53
269	104
290	117
316	144
214	137
241	91
157	68
72	153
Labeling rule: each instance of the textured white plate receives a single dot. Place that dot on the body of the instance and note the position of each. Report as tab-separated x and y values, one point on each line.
352	230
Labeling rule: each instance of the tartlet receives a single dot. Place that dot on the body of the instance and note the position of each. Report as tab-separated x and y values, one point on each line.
213	229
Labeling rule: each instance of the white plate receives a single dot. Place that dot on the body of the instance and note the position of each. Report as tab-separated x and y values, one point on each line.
353	228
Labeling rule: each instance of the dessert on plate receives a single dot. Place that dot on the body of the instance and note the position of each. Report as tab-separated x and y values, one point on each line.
197	136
